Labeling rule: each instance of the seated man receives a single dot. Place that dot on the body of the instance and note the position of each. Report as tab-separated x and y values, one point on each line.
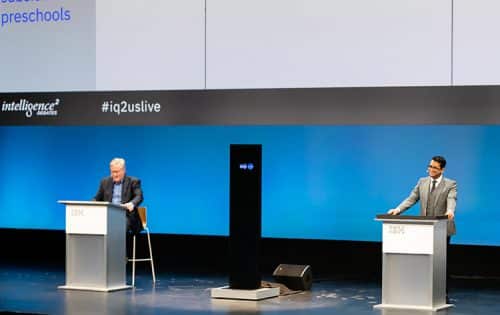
123	190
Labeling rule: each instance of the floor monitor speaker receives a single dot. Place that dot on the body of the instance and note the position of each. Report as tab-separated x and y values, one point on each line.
295	277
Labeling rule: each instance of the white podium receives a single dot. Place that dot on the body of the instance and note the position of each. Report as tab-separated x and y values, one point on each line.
414	262
95	246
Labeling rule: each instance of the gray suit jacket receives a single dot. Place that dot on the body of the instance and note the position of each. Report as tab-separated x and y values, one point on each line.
445	199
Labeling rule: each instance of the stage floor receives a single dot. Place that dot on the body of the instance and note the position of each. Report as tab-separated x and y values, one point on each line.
34	291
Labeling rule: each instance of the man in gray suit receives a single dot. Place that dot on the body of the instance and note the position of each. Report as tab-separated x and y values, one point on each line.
437	195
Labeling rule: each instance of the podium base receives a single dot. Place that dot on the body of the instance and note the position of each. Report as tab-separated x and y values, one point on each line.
236	294
83	288
413	307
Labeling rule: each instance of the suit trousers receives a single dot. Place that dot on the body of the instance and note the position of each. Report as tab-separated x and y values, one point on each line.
134	225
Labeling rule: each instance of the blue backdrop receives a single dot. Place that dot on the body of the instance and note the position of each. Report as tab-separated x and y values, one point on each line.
319	182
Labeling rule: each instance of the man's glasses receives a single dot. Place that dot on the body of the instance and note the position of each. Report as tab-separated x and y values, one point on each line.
434	167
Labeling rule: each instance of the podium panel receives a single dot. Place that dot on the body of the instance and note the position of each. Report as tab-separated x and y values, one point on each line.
95	246
414	262
86	219
407	239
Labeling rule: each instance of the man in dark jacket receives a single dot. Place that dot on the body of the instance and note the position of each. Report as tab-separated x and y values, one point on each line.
123	190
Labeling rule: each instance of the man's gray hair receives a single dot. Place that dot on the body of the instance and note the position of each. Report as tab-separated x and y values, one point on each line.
118	162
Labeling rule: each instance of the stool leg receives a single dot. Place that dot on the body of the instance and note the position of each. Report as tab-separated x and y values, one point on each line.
151	257
133	262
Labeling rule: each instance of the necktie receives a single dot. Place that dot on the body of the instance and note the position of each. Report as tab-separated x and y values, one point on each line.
433	185
430	199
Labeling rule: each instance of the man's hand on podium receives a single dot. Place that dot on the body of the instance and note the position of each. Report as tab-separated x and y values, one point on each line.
393	212
129	206
450	214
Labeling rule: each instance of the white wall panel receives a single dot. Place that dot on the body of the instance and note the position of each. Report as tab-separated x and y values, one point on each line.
150	45
325	43
43	54
476	53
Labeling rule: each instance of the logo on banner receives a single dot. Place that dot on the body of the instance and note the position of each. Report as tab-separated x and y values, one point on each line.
31	109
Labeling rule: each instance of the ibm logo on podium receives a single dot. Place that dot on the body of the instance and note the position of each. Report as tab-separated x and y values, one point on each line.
407	238
86	219
396	229
77	212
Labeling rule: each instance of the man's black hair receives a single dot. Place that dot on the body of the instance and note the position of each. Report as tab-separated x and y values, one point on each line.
441	160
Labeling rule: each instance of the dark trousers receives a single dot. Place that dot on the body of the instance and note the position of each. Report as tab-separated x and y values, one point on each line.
134	227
